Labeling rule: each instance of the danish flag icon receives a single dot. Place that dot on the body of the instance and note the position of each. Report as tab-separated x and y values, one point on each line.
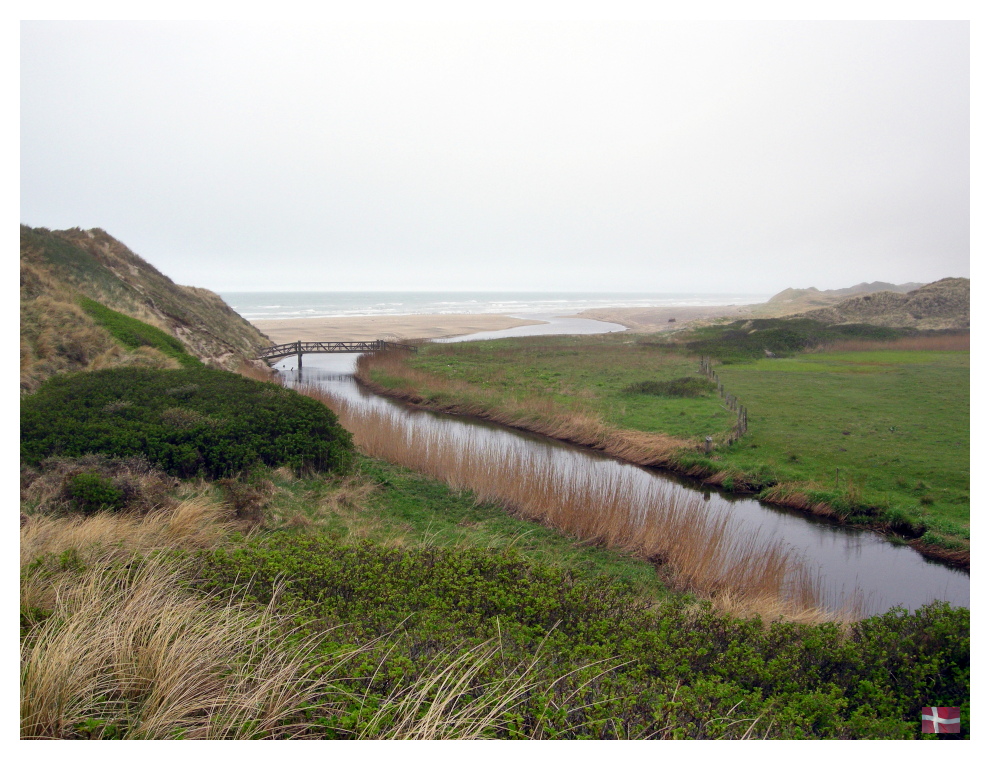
940	720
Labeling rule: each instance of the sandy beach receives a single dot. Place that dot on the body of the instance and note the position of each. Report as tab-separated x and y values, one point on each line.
427	326
404	327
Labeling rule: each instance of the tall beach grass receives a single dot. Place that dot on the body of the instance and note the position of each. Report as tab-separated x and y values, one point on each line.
116	643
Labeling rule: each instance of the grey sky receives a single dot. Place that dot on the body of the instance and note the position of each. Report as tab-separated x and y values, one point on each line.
645	156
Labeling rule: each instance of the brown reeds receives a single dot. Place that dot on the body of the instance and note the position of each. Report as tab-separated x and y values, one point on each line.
576	423
691	544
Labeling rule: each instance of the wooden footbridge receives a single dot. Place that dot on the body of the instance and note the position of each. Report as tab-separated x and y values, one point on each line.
300	347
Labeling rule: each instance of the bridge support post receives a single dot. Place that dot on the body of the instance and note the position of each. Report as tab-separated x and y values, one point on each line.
299	353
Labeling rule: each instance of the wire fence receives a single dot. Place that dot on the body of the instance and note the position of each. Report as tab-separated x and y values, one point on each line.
731	403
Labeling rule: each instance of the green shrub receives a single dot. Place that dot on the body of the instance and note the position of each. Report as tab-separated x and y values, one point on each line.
681	387
49	487
91	492
611	665
186	422
745	340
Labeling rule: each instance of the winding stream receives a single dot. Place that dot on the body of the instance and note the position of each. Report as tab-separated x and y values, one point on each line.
856	566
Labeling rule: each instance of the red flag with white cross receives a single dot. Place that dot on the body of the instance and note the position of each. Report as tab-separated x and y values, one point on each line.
940	720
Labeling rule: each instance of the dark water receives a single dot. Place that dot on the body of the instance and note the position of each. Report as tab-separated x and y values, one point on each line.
854	564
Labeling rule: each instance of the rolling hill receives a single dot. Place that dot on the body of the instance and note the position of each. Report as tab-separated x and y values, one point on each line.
60	268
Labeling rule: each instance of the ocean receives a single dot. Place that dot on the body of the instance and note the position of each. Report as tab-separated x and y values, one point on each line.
277	305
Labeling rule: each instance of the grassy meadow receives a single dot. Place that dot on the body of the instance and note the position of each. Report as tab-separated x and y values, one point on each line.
876	434
573	375
870	432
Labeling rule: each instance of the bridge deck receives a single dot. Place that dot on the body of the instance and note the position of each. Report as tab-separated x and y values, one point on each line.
330	347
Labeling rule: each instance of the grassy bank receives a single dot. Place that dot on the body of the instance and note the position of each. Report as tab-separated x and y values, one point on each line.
570	388
893	418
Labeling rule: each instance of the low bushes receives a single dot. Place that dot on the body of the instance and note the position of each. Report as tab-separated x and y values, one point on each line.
91	491
186	422
94	482
605	664
744	340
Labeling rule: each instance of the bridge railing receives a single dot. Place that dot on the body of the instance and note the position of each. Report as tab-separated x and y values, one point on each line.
331	347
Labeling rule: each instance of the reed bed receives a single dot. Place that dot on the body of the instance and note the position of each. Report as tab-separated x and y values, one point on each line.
691	544
576	423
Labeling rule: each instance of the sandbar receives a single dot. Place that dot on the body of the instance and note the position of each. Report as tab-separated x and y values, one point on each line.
664	318
401	327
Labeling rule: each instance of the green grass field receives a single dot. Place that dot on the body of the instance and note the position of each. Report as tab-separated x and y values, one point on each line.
880	436
584	374
871	431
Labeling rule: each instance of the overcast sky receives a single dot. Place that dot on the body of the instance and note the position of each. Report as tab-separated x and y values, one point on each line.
739	157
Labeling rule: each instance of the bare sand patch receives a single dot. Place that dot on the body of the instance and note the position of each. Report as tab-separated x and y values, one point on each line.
661	318
403	327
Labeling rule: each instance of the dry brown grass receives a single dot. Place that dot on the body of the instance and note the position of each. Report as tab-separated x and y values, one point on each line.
347	497
135	654
116	643
198	523
46	489
142	356
254	371
57	335
435	707
692	546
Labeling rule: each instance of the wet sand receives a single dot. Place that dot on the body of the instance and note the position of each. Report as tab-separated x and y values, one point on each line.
404	327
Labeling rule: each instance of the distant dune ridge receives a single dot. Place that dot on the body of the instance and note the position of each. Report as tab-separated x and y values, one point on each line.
937	306
803	299
59	267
